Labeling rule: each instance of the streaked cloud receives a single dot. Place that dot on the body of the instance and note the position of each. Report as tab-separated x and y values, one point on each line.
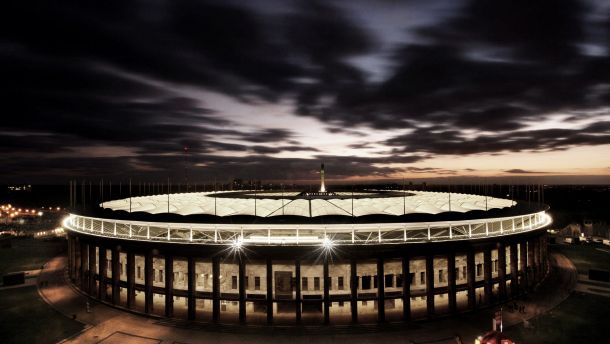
269	89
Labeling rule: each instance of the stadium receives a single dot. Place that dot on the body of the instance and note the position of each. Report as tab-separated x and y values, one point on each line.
277	257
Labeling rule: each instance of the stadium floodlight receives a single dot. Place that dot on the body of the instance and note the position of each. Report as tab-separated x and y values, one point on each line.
327	243
238	243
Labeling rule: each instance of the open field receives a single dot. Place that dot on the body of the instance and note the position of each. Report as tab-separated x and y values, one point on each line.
582	317
586	256
29	254
26	318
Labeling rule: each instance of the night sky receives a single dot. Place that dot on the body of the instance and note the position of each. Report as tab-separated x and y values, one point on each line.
270	89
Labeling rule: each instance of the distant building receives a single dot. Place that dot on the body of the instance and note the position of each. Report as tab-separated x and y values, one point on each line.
19	188
571	230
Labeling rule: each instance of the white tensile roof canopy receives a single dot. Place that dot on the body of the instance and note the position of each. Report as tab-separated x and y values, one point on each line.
266	205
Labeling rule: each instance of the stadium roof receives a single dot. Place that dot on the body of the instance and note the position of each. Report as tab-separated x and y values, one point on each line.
268	205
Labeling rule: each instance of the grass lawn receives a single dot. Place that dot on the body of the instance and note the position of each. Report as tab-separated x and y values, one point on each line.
28	254
582	318
585	257
26	318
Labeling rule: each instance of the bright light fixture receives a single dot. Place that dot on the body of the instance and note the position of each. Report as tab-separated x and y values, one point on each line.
327	243
238	243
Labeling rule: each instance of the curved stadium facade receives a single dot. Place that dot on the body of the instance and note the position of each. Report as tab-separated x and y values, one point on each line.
286	258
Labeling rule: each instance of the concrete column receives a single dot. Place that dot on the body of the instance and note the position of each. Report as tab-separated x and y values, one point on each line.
70	257
216	289
531	279
191	287
84	282
546	253
380	291
77	260
92	272
487	275
531	258
451	282
297	271
406	289
514	270
326	285
537	260
269	291
354	290
116	274
542	268
470	268
523	282
131	280
102	265
72	261
543	255
148	282
502	270
241	279
430	285
542	245
169	285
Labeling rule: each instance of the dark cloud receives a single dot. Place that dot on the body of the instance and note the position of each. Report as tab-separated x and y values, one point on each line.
86	75
214	44
201	168
279	149
266	135
491	66
60	169
196	42
530	31
432	170
337	167
441	140
521	171
81	76
20	143
343	130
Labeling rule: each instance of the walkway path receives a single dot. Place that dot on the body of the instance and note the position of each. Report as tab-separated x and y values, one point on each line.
585	285
558	285
105	324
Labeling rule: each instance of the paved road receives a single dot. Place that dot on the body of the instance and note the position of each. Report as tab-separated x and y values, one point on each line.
557	286
105	324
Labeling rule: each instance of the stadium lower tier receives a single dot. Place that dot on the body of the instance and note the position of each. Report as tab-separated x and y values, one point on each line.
304	284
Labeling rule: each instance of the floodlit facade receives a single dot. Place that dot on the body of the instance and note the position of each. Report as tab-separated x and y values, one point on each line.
288	258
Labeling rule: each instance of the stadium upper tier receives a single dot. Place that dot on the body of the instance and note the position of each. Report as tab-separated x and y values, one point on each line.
277	204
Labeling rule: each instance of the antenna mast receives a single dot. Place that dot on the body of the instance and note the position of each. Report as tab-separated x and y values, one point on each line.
322	186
